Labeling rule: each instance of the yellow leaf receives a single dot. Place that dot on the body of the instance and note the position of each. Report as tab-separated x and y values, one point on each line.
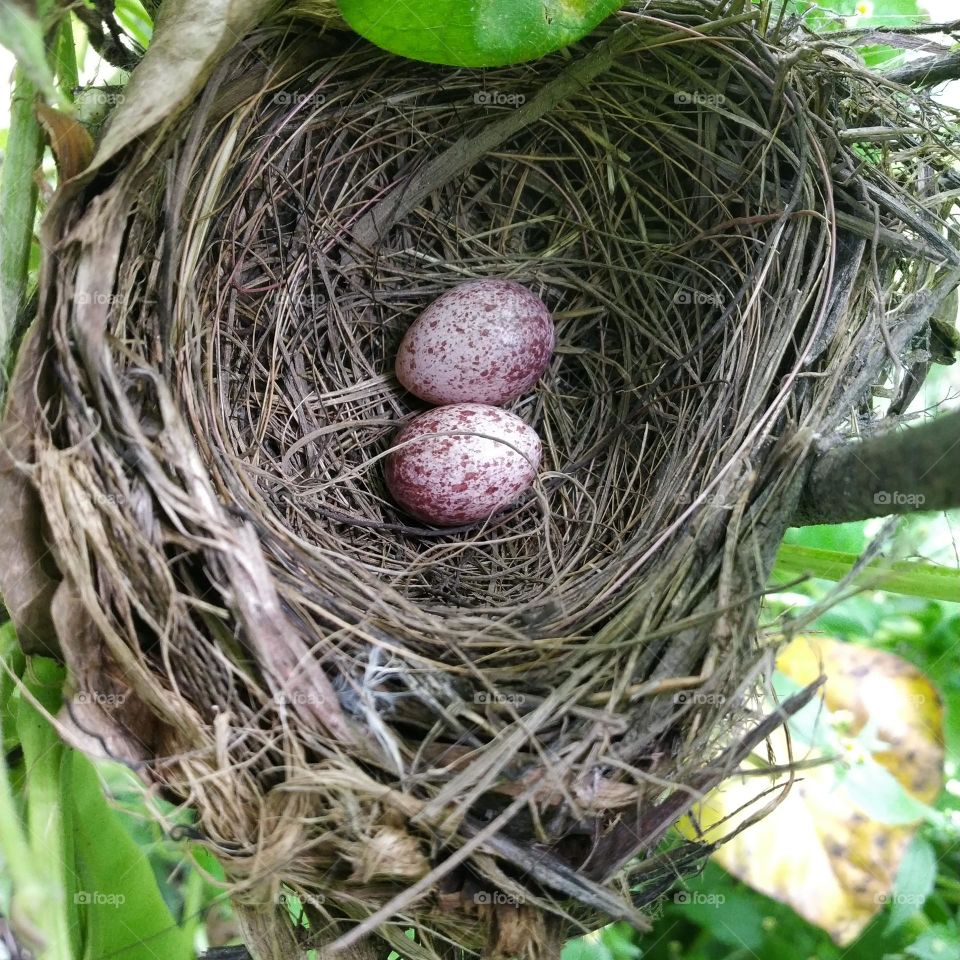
818	850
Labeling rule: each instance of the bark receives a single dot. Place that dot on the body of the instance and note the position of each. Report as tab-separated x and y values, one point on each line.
928	72
903	471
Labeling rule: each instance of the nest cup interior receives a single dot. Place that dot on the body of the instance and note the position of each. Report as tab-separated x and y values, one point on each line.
600	213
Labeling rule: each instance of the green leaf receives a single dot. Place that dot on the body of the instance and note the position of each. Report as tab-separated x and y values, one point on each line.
733	917
482	33
132	16
71	885
845	537
913	578
117	900
43	756
936	943
590	947
915	881
856	617
23	37
880	795
620	940
14	659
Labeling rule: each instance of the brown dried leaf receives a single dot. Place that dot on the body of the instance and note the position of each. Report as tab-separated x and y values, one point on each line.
189	38
28	575
103	718
70	141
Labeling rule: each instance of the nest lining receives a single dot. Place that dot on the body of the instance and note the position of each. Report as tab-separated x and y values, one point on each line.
387	686
298	393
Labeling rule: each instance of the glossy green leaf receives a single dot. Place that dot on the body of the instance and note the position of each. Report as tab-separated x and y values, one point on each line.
481	33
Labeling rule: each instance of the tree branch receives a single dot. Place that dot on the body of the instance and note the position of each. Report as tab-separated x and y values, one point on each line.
902	471
927	72
949	26
105	35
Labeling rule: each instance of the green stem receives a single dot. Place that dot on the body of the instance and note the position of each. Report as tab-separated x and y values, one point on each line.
911	578
65	58
18	201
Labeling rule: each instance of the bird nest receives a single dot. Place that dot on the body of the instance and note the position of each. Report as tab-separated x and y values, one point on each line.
482	732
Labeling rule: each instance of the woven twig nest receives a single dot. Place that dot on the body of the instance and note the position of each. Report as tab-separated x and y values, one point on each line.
486	732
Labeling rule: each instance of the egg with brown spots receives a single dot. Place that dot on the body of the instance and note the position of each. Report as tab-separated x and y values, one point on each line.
486	341
461	463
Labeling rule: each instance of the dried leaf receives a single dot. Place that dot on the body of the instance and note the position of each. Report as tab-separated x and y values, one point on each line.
824	849
28	576
103	718
70	141
189	38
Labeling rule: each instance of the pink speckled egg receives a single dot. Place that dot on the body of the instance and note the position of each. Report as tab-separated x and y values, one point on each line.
487	341
460	463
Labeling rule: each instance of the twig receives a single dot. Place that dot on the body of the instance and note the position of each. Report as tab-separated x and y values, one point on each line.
629	837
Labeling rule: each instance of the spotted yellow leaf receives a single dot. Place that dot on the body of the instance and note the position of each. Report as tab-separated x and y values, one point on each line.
834	835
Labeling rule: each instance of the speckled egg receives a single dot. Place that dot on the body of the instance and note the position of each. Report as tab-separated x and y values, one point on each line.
460	463
487	341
